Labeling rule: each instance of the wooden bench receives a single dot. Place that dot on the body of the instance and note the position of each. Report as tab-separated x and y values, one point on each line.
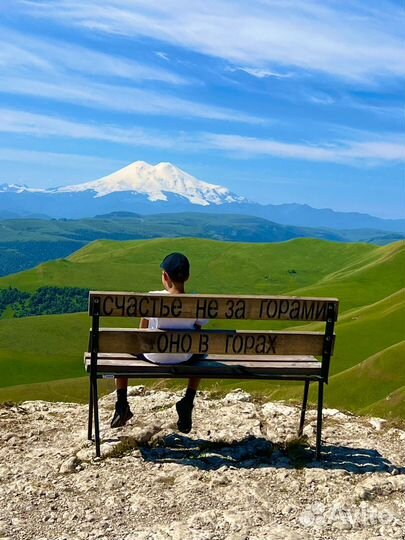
231	354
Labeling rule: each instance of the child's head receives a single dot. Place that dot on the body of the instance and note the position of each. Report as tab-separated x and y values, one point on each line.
176	270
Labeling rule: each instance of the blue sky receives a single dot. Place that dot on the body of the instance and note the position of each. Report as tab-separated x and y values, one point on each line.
278	100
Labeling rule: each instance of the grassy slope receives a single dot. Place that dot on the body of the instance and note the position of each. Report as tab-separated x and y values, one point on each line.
216	266
370	328
375	275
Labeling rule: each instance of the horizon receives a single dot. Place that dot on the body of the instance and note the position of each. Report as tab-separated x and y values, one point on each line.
210	204
303	105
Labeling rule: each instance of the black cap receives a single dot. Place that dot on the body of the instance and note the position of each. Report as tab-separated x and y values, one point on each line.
177	266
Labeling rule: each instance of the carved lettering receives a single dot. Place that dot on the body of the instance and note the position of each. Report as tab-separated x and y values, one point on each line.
107	311
162	343
245	344
271	309
237	344
249	343
283	307
177	307
240	309
295	309
321	311
271	344
201	309
186	342
236	310
203	344
308	312
131	306
260	345
212	309
120	304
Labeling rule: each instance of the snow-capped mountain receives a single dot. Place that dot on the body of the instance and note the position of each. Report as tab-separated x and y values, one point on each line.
147	189
156	182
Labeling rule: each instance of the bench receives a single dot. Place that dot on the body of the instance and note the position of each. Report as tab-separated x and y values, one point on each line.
229	354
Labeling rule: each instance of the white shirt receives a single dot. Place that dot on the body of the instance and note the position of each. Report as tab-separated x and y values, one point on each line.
156	323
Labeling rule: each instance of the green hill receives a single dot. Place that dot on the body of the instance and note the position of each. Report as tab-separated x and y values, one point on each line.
216	266
367	375
24	243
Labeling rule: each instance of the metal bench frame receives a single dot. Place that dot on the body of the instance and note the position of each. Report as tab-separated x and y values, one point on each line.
207	369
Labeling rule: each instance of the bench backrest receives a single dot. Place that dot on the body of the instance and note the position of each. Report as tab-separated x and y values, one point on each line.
213	307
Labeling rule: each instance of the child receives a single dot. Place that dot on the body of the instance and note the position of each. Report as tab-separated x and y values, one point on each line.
175	272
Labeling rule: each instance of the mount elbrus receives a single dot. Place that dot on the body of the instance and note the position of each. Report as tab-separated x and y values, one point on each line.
147	189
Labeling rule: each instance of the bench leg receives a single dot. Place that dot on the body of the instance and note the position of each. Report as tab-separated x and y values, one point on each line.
91	405
96	417
304	409
319	422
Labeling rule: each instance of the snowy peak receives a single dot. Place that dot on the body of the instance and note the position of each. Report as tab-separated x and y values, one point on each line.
156	181
18	188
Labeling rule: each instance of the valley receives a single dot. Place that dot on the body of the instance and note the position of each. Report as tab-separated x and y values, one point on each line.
367	368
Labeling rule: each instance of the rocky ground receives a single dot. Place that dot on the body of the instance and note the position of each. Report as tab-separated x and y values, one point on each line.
239	475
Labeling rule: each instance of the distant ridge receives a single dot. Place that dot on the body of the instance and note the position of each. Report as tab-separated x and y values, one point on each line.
164	188
24	243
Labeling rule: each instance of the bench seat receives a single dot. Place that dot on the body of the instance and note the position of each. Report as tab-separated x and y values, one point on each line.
212	366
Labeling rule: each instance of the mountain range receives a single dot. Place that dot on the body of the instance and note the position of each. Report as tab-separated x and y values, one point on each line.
147	189
26	242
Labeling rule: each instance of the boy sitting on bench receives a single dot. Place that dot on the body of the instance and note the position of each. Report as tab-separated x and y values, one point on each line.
175	272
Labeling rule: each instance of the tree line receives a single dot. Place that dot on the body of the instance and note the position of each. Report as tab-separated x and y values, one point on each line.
43	301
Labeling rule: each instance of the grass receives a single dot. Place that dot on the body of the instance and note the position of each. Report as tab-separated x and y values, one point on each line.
367	375
238	268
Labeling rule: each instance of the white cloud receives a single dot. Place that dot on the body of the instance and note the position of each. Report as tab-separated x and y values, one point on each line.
359	41
263	73
56	159
349	152
365	149
163	55
117	98
25	53
39	125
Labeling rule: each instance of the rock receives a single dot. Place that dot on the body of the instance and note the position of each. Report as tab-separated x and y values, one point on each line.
334	413
237	395
278	409
138	390
69	465
377	423
235	476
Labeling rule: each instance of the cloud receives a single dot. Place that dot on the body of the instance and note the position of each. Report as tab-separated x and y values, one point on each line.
366	149
162	55
348	152
127	99
56	159
263	73
350	40
25	53
48	126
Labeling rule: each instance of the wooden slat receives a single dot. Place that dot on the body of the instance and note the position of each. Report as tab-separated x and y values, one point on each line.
225	368
231	342
125	357
205	306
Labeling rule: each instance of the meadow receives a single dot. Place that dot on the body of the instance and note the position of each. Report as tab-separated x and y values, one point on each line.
41	357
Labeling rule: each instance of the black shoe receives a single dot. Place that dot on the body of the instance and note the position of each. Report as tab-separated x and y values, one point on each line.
184	410
122	415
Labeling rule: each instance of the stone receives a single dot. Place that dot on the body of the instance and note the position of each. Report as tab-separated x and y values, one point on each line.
377	423
69	466
230	478
237	395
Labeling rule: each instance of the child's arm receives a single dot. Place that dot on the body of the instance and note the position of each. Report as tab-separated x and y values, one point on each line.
143	323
